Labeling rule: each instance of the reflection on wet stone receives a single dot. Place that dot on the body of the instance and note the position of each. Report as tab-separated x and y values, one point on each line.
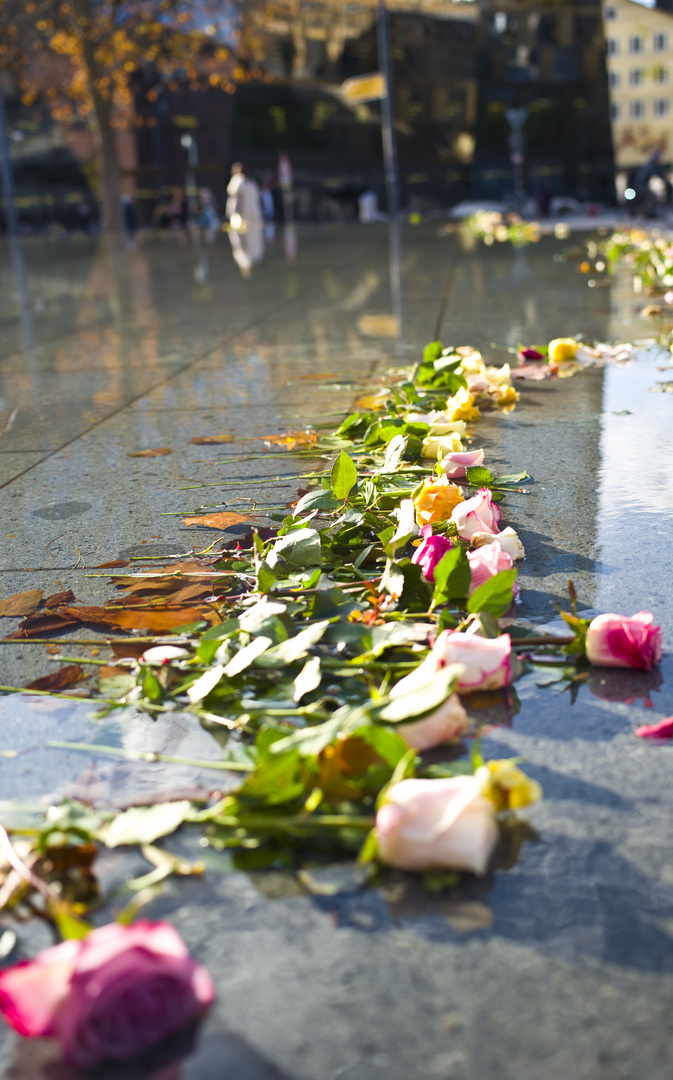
62	511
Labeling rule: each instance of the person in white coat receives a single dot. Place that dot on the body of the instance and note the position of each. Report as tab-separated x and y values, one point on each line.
246	219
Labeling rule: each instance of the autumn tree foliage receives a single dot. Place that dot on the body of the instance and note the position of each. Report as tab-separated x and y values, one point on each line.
80	56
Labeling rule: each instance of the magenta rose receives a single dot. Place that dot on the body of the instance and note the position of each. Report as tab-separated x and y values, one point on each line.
431	550
486	562
478	514
112	995
530	354
617	641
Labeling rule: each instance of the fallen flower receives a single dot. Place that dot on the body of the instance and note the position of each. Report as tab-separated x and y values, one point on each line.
455	465
508	787
437	824
431	551
662	730
619	641
445	725
487	664
508	540
109	996
561	349
486	562
438	445
530	354
478	514
437	500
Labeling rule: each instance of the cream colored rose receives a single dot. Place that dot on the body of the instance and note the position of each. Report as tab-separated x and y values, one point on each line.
508	540
445	724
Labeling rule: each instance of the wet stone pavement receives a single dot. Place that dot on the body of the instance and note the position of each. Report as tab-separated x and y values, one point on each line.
560	966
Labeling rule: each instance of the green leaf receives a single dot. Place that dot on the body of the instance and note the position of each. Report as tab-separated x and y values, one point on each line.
266	577
452	576
316	500
287	652
310	741
478	475
388	744
395	452
246	656
432	352
151	686
300	548
344	476
495	595
144	824
276	779
512	478
308	678
420	699
69	925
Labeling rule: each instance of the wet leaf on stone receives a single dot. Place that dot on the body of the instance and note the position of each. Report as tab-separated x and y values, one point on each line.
23	603
207	440
144	824
58	680
217	521
59	598
157	451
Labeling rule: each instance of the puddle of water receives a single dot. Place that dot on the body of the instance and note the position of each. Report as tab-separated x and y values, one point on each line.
33	772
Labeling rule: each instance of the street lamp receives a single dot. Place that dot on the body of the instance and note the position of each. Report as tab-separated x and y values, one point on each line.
189	144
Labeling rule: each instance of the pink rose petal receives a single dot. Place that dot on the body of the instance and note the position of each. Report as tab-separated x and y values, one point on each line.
662	730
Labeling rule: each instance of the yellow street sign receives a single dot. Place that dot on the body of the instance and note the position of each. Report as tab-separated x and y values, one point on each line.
364	88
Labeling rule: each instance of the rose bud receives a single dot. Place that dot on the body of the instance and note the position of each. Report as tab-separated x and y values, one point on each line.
455	465
485	563
508	540
486	661
444	725
110	996
437	824
478	514
530	354
431	550
617	641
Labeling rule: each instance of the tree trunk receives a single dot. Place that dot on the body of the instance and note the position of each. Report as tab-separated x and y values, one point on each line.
112	220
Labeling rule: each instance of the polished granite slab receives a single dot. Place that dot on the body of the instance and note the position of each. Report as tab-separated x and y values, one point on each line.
559	966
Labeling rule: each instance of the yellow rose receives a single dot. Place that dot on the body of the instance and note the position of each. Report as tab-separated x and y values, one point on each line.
562	348
461	406
440	445
507	787
436	500
505	395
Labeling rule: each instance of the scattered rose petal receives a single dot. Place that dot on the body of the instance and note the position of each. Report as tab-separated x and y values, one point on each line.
157	451
662	730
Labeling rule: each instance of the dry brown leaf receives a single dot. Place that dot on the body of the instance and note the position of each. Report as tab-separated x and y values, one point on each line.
58	598
58	680
158	451
292	439
42	624
21	603
205	440
217	521
116	564
371	402
156	620
125	649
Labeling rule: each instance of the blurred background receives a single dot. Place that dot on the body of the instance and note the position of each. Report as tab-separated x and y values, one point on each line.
126	115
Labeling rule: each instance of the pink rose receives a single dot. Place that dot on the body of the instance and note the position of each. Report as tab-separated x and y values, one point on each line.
478	514
455	465
486	661
431	550
111	995
486	562
437	824
445	724
617	641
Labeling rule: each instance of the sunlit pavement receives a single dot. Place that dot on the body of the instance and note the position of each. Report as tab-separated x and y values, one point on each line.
561	967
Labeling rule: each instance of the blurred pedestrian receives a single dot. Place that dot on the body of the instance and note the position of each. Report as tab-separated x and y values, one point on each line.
209	219
246	219
130	218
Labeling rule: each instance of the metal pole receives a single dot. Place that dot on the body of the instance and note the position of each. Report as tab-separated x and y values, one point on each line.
11	220
387	117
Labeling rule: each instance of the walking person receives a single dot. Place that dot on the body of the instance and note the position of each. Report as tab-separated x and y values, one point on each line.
246	219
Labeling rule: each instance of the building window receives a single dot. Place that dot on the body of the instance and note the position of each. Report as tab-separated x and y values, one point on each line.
636	76
660	75
660	42
636	44
613	46
661	107
613	79
611	13
637	110
614	111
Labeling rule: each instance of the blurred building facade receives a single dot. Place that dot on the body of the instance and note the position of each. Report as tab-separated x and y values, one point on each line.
459	68
640	73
